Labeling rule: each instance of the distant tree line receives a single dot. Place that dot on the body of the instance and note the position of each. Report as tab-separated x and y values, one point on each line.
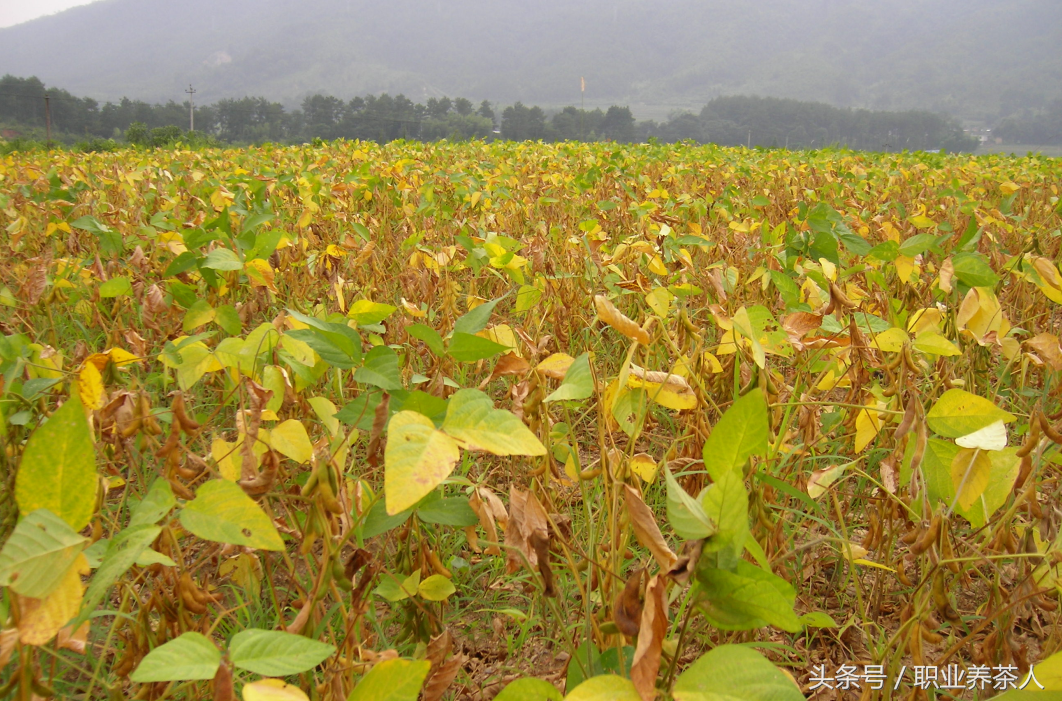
1033	127
731	121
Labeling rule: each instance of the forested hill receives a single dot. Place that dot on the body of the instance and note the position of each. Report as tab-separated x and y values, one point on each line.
976	59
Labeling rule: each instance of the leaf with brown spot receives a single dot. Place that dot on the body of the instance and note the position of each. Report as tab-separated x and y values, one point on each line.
607	312
646	529
651	634
800	324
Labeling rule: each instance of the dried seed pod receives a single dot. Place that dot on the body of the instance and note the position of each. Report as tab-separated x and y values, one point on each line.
928	537
188	424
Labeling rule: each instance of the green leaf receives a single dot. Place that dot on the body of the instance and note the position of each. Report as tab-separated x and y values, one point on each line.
972	270
378	521
684	513
726	503
228	319
361	411
430	336
476	320
606	687
529	689
121	554
392	680
188	657
452	511
223	513
436	588
155	504
958	413
417	459
396	589
222	259
936	466
578	381
734	673
273	653
466	348
919	243
472	419
38	553
116	287
818	619
58	468
740	433
380	369
747	598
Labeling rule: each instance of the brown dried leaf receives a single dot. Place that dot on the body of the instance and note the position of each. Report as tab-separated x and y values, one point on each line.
526	517
653	629
687	563
508	364
8	638
607	312
646	530
800	324
1047	347
627	608
441	678
486	519
379	421
36	281
439	648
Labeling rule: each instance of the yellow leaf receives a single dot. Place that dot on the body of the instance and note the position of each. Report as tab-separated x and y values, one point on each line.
272	690
905	267
671	394
413	310
290	439
659	300
932	343
644	466
970	472
923	319
417	458
227	456
260	274
867	423
656	266
121	357
921	221
980	314
555	366
90	386
821	479
41	619
1009	188
891	340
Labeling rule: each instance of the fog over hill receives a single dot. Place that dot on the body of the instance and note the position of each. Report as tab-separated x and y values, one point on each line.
976	59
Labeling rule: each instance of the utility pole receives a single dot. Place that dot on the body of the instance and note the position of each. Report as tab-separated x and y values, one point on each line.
48	118
191	108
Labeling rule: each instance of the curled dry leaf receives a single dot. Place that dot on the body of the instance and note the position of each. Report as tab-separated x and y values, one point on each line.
646	530
379	421
627	608
528	526
1047	348
675	383
440	678
607	312
36	281
686	564
490	511
653	629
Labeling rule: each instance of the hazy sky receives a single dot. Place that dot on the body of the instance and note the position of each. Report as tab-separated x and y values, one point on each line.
17	11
